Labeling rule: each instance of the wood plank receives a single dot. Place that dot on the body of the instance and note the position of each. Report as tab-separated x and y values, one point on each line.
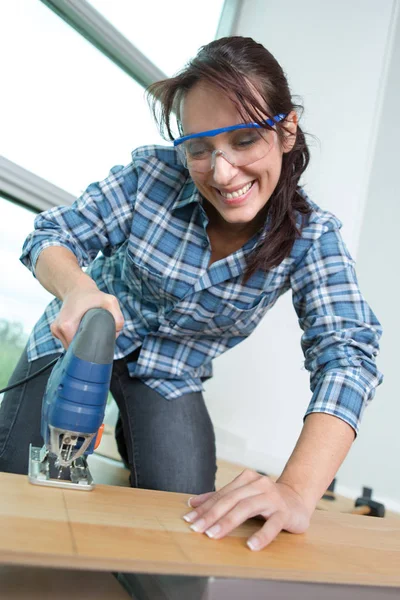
125	529
226	472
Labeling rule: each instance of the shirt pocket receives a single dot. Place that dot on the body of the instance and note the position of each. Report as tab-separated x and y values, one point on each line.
227	319
147	285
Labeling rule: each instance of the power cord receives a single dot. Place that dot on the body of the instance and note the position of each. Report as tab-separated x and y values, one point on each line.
14	385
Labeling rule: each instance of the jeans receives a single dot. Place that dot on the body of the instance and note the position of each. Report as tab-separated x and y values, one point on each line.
167	444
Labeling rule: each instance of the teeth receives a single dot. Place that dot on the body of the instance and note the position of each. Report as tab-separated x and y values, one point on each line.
238	193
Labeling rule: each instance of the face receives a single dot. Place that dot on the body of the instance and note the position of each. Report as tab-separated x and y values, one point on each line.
226	187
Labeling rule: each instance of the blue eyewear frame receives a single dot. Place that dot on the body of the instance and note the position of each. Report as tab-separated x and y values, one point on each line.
212	132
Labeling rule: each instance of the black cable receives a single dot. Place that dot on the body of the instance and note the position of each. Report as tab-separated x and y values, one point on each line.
14	385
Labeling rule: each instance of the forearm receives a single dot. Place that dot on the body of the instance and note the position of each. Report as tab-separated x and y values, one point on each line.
58	271
321	448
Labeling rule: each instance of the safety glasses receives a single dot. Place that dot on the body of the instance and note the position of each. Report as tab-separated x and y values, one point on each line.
245	143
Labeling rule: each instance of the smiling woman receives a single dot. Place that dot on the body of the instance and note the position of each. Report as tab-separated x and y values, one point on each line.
188	256
241	143
255	175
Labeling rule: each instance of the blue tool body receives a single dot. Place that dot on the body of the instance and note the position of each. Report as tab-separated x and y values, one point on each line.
76	394
76	397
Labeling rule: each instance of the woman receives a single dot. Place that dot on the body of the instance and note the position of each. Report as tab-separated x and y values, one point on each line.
188	247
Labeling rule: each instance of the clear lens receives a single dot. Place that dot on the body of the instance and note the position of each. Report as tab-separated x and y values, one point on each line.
244	147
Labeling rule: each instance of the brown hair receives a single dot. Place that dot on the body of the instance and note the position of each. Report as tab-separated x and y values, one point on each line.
249	71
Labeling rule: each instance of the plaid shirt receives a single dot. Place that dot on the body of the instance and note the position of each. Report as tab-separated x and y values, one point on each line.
142	234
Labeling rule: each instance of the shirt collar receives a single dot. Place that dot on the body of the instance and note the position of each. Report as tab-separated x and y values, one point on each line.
187	195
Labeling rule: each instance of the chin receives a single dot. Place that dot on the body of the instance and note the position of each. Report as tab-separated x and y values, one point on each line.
237	221
239	216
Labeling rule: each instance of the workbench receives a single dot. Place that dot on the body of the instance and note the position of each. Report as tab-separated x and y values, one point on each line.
107	467
120	529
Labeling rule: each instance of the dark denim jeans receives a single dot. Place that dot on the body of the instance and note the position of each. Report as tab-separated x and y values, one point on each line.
168	444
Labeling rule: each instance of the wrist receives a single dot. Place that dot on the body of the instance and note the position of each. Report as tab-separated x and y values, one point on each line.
302	492
79	283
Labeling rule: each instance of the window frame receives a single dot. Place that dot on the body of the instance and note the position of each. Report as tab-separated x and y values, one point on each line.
26	188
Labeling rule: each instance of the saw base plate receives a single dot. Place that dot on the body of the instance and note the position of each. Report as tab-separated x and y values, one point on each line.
43	471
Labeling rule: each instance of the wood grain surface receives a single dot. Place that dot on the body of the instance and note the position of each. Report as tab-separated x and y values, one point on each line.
227	471
123	529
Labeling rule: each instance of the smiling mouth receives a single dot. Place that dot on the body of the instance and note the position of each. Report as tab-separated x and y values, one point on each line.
237	193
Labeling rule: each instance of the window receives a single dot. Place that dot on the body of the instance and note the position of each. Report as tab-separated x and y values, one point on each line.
22	298
71	113
168	33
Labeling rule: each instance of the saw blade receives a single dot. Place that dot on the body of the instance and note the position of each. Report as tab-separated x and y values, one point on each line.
57	472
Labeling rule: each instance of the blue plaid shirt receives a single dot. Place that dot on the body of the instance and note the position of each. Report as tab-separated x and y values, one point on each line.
142	234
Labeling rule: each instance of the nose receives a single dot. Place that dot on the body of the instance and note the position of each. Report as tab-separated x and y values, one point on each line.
223	171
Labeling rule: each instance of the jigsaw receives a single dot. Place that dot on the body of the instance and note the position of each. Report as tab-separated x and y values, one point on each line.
74	404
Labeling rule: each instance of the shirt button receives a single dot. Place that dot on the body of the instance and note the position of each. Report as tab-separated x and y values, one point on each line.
205	244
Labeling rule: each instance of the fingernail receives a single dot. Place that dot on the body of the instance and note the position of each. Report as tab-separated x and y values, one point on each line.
190	516
253	544
198	526
190	501
213	531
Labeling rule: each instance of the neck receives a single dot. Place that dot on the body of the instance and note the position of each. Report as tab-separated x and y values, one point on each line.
233	230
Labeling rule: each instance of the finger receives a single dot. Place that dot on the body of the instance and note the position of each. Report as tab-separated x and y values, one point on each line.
119	321
65	337
113	306
65	328
201	504
243	510
205	502
197	500
206	515
247	476
56	332
64	342
268	532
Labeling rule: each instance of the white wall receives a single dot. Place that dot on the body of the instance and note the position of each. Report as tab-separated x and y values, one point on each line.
334	55
376	455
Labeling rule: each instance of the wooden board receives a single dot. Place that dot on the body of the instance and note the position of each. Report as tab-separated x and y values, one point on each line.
226	472
124	529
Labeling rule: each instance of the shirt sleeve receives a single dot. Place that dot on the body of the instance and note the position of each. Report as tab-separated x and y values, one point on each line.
341	333
99	220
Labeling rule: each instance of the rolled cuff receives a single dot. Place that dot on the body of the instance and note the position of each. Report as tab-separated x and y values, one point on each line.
30	256
345	394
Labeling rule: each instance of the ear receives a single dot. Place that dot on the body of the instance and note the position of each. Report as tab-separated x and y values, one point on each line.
289	131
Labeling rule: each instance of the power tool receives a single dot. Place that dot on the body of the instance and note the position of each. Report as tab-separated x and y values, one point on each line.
74	404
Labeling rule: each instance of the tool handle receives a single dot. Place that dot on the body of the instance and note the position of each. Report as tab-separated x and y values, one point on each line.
94	341
361	510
